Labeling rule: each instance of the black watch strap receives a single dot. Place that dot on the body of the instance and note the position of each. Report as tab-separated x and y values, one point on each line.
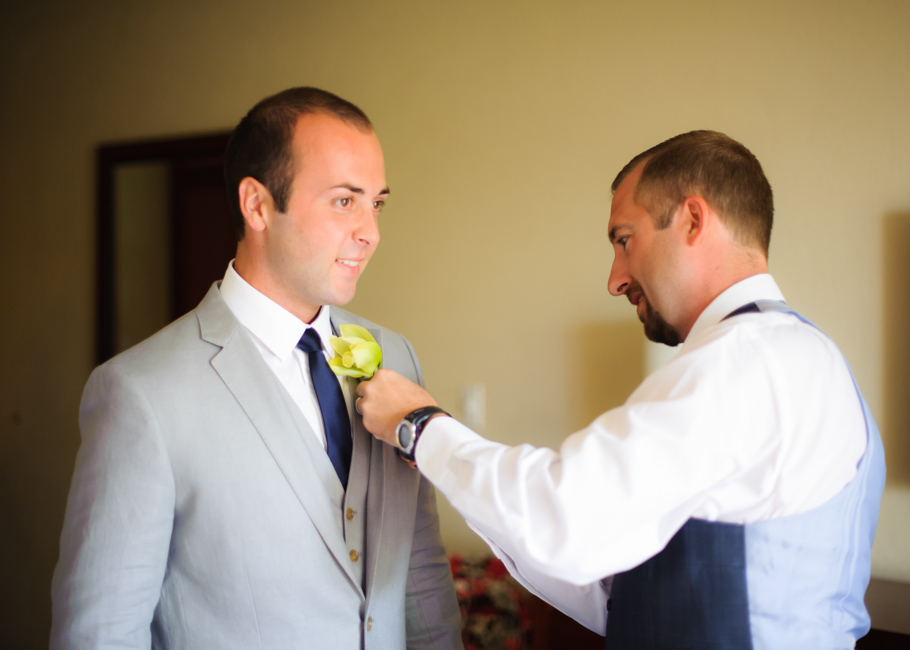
418	419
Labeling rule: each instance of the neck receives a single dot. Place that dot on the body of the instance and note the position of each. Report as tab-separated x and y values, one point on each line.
723	272
255	276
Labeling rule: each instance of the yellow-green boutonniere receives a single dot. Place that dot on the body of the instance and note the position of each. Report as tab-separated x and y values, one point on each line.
358	352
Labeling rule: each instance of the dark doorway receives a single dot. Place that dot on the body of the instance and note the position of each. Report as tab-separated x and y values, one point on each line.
164	234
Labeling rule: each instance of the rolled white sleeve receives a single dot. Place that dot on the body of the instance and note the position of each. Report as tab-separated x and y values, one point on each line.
753	420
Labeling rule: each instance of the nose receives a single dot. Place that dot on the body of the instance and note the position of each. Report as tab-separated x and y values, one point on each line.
619	277
367	231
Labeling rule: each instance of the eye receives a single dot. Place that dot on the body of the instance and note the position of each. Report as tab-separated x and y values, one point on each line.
344	202
378	205
622	241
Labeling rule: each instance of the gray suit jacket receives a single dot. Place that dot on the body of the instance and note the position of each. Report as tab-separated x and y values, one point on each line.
203	513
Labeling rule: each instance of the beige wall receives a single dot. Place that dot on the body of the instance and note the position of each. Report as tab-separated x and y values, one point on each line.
502	124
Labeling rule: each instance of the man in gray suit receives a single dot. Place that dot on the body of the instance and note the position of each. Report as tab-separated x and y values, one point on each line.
205	511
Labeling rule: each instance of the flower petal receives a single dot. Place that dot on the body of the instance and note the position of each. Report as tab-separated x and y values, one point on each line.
339	369
356	330
339	344
367	356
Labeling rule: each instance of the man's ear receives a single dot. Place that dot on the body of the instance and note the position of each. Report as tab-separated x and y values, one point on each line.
256	204
696	217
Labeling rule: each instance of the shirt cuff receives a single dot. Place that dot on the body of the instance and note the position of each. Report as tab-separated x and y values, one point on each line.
438	441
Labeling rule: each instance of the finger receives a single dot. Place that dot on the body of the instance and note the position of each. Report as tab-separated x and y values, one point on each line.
357	405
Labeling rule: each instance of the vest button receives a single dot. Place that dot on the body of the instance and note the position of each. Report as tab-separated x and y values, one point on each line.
355	556
369	623
349	514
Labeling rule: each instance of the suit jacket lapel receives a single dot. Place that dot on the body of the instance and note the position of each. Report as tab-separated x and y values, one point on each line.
283	429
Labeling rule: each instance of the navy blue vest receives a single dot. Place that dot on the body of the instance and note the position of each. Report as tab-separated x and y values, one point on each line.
794	582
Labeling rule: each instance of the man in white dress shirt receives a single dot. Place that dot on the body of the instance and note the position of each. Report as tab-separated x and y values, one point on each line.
226	494
732	500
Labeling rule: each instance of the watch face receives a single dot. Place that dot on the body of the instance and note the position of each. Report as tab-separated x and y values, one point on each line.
405	434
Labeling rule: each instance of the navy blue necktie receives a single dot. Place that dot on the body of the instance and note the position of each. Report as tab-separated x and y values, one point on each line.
331	403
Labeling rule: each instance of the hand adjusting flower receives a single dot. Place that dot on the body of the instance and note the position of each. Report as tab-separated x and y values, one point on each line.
358	352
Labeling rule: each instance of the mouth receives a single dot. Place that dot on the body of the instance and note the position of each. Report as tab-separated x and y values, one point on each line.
353	264
636	296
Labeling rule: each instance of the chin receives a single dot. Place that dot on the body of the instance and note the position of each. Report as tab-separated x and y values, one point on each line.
341	298
660	331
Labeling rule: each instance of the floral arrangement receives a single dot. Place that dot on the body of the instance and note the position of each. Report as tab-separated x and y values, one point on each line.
495	608
358	352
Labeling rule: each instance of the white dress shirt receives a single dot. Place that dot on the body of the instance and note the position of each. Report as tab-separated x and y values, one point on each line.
756	418
276	331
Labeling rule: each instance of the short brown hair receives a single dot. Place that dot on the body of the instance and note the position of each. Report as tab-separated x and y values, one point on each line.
260	146
711	165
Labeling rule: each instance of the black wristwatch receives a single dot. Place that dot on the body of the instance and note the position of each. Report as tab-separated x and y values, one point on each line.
410	428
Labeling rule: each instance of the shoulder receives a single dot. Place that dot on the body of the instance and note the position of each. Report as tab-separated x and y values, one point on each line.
208	328
169	355
774	364
785	341
762	338
169	341
769	369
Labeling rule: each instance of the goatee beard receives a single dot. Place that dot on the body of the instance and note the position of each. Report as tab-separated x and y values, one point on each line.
657	329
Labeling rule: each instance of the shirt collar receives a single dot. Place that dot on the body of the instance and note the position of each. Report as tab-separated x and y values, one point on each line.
275	327
756	287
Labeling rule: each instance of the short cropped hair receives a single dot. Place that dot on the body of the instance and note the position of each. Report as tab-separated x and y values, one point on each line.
717	168
261	145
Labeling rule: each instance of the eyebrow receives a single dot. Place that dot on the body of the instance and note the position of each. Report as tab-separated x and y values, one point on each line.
358	190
